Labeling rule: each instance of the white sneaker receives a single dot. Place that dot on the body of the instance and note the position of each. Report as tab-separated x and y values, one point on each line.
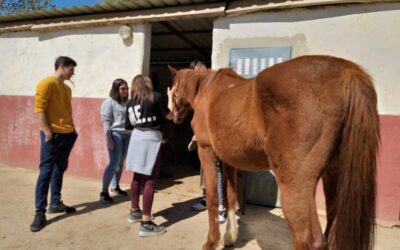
221	218
221	214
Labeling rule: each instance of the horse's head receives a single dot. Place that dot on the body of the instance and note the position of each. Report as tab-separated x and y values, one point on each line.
180	99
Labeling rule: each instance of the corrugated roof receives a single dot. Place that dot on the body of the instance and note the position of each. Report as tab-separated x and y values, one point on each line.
234	7
99	8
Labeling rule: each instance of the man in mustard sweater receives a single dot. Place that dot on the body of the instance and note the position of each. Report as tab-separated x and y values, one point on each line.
57	136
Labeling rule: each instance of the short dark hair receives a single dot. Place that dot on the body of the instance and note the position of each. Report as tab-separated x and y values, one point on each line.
65	61
114	92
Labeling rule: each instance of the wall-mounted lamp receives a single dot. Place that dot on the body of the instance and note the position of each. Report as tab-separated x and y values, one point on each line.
125	32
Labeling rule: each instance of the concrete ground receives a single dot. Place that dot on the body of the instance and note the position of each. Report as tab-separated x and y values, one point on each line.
98	226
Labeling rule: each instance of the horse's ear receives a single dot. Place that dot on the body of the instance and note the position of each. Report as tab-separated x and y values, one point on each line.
173	70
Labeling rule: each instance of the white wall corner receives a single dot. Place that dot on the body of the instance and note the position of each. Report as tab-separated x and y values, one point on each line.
141	48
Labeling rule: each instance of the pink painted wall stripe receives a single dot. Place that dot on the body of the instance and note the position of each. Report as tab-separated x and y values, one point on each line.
19	146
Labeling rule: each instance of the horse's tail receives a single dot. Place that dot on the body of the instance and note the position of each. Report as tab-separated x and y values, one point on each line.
354	222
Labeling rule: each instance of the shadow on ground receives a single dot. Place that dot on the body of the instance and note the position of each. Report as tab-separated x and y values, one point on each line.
270	231
172	173
88	207
177	212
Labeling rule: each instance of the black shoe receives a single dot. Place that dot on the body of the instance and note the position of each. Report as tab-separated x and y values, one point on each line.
39	222
117	190
149	228
135	216
61	208
105	197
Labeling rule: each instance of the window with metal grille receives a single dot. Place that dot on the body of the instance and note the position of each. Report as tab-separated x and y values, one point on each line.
247	62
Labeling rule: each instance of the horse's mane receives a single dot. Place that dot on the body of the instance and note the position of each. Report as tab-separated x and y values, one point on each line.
228	72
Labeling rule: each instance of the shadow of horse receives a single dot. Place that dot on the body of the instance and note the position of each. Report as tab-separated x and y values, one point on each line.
170	174
166	182
264	225
177	212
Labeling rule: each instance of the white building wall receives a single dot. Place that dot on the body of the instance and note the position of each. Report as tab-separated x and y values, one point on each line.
102	56
367	34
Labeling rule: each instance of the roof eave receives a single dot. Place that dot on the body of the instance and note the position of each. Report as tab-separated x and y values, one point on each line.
126	17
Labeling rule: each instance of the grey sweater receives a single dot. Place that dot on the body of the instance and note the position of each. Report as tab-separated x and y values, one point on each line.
113	115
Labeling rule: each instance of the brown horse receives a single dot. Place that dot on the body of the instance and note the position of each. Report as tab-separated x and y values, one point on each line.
307	118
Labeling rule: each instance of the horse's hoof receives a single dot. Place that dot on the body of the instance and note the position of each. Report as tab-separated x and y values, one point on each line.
231	233
209	246
229	240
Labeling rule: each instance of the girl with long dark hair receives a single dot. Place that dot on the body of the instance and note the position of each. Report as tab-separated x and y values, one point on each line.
117	137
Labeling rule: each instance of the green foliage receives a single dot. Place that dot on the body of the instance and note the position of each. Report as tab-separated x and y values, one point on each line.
13	6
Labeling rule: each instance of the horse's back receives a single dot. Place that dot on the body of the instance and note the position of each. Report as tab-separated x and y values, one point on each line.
306	72
311	83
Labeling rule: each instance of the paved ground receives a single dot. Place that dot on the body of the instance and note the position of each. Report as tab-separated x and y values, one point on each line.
97	226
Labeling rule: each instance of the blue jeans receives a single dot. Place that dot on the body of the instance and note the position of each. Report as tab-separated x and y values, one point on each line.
53	163
117	157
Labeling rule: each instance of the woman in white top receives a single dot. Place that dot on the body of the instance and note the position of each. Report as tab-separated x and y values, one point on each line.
117	137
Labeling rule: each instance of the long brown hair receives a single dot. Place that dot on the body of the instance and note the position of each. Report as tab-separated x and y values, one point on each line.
141	89
114	92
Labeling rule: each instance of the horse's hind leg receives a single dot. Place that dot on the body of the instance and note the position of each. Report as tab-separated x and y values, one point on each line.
231	232
208	159
298	204
330	178
297	174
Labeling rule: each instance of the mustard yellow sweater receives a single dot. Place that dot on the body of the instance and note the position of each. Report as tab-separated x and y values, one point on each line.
54	99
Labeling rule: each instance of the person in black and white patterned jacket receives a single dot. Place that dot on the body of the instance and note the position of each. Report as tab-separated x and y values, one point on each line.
144	112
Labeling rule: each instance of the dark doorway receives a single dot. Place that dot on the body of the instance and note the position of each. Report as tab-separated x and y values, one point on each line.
177	43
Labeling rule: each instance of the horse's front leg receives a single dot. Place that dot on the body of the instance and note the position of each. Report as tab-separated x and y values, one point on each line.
232	230
207	159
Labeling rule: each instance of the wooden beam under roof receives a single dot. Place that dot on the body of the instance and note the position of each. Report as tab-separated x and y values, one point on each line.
184	38
182	49
186	32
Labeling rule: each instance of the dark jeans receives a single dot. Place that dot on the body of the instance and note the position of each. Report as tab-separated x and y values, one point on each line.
53	163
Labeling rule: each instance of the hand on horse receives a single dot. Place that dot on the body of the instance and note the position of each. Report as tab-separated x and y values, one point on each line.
170	92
